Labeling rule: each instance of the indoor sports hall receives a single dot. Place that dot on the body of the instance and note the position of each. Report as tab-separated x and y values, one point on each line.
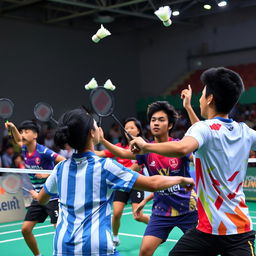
127	127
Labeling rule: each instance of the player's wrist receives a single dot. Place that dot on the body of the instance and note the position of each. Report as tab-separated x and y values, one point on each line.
188	107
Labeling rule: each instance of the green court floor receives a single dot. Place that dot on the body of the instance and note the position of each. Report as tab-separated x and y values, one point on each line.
131	233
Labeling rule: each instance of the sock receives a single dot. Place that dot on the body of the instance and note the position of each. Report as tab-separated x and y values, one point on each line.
115	238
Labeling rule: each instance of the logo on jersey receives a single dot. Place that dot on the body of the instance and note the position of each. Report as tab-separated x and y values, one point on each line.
37	160
153	164
215	126
230	128
173	162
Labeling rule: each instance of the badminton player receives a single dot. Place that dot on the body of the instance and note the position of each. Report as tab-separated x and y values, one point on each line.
35	156
221	148
85	184
133	126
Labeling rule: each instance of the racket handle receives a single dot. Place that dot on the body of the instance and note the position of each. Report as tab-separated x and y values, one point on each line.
122	128
25	189
100	121
54	121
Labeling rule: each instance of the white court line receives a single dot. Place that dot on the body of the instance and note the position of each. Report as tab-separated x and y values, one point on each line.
21	238
18	223
19	230
132	235
10	225
129	208
51	233
130	213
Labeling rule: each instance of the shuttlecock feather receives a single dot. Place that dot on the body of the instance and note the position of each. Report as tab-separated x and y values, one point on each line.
91	85
101	33
108	85
164	14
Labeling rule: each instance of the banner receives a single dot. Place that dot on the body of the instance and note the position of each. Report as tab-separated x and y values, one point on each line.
249	185
11	205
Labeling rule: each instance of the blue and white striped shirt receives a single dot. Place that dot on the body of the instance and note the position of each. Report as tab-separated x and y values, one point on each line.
85	184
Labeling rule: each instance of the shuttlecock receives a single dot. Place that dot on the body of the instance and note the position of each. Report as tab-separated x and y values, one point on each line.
101	33
109	86
91	85
164	14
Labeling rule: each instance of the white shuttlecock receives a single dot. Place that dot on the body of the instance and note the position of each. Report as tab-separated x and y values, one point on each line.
109	86
101	33
164	14
91	85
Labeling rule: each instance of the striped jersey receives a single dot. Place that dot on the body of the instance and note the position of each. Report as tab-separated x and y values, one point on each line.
85	184
174	201
221	163
42	159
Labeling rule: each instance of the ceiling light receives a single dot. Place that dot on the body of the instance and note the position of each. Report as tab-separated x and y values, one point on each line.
207	7
222	3
175	13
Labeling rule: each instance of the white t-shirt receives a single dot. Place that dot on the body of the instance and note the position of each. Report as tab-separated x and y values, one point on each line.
221	163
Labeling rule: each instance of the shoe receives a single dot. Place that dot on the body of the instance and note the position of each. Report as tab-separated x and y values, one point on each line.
116	242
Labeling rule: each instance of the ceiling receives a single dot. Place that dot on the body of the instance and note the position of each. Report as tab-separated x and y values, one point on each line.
119	14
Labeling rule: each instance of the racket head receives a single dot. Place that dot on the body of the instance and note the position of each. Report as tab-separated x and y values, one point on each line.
102	101
6	108
43	112
11	183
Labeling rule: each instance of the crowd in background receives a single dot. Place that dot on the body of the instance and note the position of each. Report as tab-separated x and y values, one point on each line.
11	158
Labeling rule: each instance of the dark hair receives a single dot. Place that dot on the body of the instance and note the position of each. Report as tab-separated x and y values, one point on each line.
29	125
166	108
124	141
9	145
16	155
73	129
225	85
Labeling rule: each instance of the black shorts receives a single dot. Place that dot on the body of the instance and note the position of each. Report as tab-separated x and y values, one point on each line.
197	243
39	213
136	196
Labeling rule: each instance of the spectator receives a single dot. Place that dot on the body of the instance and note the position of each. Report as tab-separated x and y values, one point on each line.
7	156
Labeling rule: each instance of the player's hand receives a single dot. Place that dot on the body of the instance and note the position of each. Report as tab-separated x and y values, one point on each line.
42	176
186	95
137	146
34	194
137	211
188	183
9	125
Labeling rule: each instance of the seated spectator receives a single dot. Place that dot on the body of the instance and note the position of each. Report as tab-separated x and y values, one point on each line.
7	156
17	161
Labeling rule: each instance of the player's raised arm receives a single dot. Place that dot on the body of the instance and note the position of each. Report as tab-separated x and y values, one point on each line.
15	133
115	150
159	182
171	149
186	95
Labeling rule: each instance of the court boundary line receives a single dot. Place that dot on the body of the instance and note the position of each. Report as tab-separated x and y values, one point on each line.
141	236
19	230
19	223
20	238
51	233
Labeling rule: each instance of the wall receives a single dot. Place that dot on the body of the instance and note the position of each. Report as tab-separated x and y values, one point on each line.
51	64
164	51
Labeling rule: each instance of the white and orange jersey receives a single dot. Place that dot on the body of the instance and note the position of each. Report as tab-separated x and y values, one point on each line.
221	163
